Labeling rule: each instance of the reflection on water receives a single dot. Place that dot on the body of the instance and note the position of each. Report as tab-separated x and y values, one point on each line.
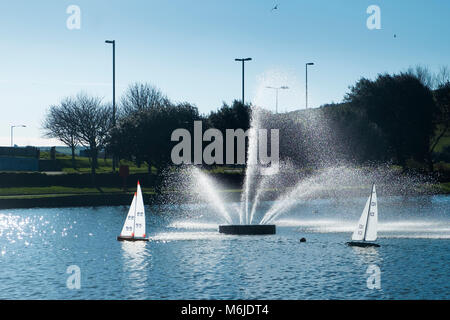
368	255
437	229
137	262
187	258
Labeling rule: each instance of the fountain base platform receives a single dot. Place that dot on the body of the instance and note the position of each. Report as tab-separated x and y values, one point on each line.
248	229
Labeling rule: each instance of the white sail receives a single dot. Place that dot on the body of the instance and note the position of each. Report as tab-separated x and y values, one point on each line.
360	230
372	221
367	224
128	226
139	227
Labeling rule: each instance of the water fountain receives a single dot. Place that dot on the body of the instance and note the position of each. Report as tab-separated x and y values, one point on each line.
245	226
249	218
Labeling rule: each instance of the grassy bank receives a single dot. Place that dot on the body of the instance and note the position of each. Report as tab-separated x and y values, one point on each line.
443	188
75	197
58	190
83	164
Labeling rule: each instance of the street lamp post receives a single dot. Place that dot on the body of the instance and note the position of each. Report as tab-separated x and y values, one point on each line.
113	42
308	64
243	69
12	132
276	95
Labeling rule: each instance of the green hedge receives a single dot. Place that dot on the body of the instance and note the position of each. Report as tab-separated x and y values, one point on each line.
17	179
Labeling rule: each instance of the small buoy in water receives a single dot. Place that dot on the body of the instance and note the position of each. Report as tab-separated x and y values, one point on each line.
303	240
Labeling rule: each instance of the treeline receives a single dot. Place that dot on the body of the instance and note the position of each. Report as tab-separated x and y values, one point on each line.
145	121
393	119
396	119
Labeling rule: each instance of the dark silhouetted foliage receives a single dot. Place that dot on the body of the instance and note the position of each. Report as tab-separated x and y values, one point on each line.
403	108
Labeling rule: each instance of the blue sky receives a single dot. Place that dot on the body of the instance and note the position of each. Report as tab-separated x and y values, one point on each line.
187	49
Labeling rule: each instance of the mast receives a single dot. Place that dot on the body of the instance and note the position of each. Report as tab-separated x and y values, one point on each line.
134	222
368	212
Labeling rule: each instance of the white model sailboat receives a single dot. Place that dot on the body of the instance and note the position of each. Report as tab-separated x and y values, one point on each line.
134	226
366	231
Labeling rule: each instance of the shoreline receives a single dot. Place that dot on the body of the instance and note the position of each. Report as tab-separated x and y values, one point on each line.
124	198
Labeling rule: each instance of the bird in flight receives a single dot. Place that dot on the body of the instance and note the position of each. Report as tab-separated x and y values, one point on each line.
275	7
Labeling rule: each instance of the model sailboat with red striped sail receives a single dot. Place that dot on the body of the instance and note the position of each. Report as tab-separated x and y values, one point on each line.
134	226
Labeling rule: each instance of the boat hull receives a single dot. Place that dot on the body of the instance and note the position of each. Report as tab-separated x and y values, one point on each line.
253	229
362	244
120	238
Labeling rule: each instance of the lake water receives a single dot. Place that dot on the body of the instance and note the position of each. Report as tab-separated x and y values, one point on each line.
188	259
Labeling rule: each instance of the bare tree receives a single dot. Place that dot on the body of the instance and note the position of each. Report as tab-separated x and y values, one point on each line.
81	120
439	83
59	124
442	98
424	75
93	121
442	77
142	96
428	78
